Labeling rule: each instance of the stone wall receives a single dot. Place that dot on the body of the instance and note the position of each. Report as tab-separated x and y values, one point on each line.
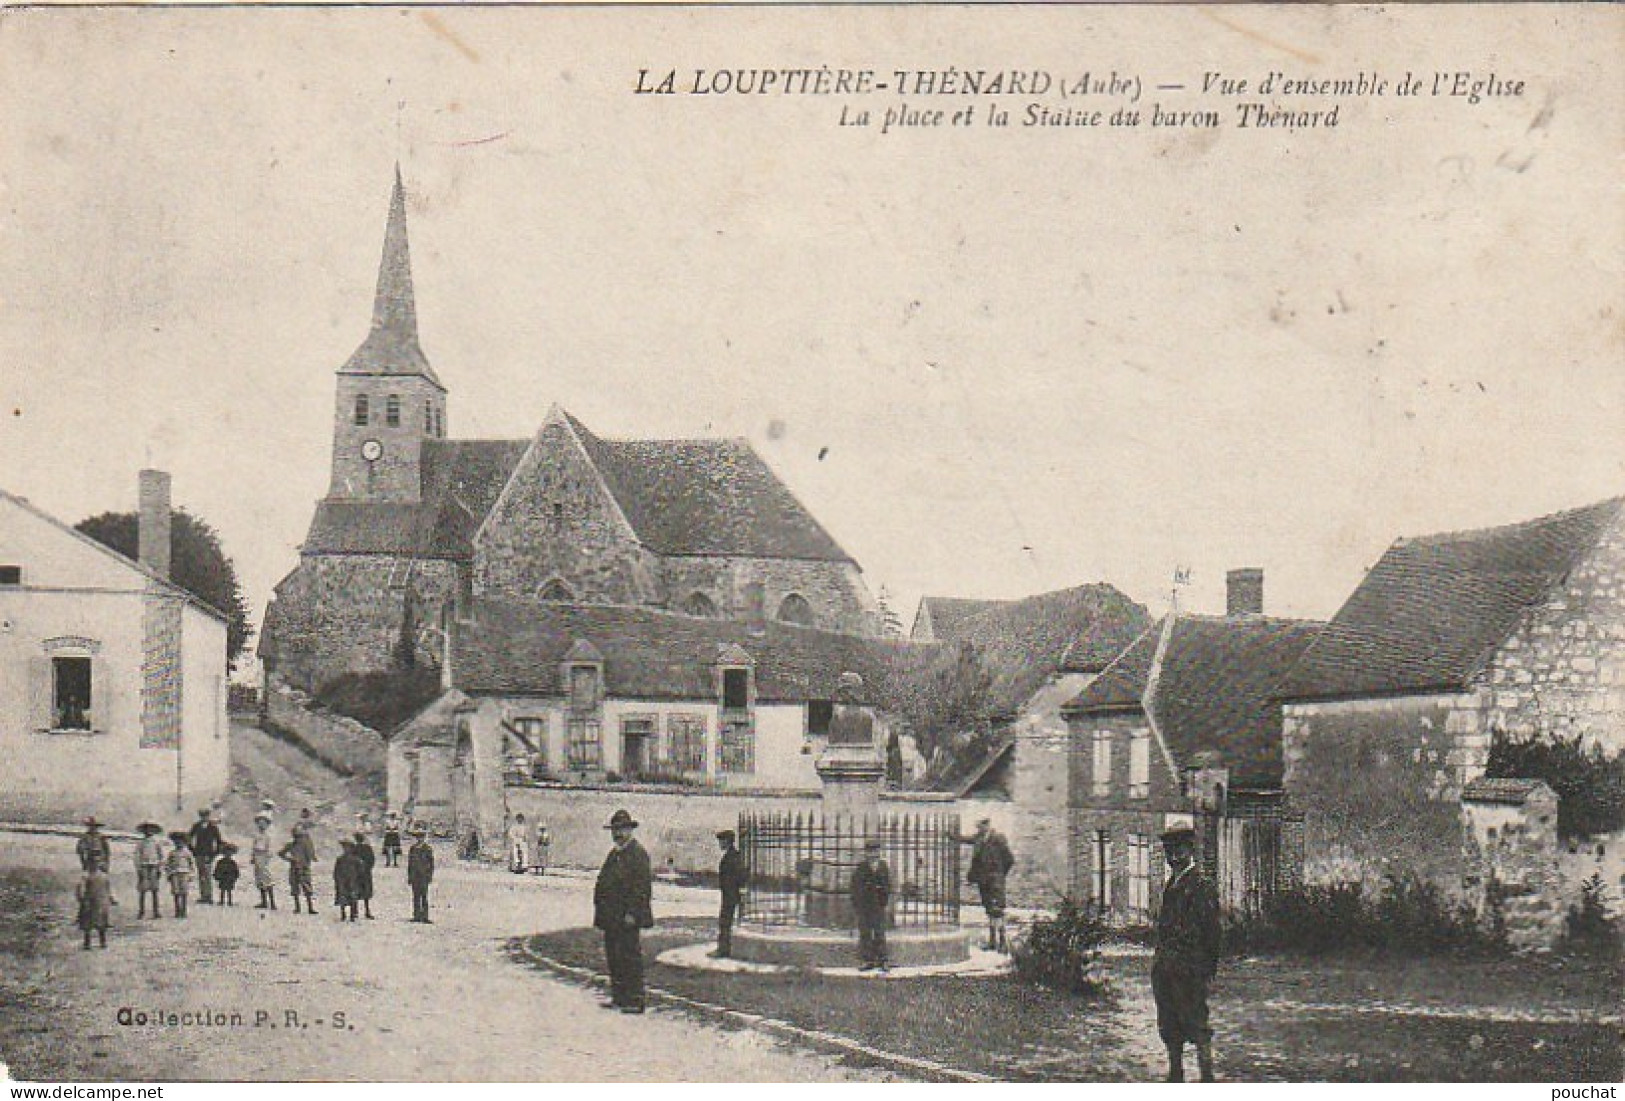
340	614
557	521
840	599
1510	863
1563	671
396	475
1379	783
342	743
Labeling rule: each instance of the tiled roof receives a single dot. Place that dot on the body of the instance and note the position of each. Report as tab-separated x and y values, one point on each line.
947	613
514	649
1431	613
1214	691
706	497
1025	642
1512	792
461	481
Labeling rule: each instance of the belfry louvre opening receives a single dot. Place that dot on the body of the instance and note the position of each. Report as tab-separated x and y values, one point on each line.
800	868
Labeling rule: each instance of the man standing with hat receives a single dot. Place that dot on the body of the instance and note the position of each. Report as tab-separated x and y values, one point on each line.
1187	956
420	872
990	864
204	841
621	908
731	877
93	847
871	903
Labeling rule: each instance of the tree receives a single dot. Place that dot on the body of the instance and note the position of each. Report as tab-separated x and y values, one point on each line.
891	624
894	762
1589	783
196	563
946	703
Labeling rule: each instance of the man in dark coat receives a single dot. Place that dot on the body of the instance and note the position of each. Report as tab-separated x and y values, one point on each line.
621	908
871	903
93	847
990	864
368	859
1187	956
420	873
204	841
731	877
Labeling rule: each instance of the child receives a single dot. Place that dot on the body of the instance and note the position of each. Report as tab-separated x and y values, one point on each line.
363	852
420	873
226	873
149	866
392	839
261	858
179	866
346	881
300	853
95	895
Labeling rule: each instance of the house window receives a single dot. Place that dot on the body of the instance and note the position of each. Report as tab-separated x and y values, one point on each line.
1139	765
637	746
532	732
583	689
1103	871
685	737
583	747
698	604
11	576
735	690
392	410
556	592
428	416
1139	874
819	715
738	747
70	693
795	609
1102	775
363	413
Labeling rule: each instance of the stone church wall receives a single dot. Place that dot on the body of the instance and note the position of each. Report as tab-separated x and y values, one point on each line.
840	599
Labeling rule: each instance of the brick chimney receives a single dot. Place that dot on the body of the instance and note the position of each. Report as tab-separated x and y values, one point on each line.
1244	592
153	530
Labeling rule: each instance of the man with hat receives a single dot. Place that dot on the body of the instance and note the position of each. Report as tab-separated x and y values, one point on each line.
204	841
1187	955
871	902
420	872
731	877
93	847
990	864
621	908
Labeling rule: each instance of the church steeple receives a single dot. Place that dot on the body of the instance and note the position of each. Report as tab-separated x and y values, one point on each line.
391	347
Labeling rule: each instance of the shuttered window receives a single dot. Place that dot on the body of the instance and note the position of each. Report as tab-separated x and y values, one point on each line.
1102	774
1139	765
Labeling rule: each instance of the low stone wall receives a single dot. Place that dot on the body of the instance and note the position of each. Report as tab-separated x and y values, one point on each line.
677	827
338	741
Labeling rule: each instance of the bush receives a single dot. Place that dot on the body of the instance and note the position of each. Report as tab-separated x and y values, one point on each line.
1589	930
1409	917
1063	952
382	700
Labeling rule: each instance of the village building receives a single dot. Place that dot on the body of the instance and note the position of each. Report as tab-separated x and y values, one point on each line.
1181	729
112	679
1040	652
566	712
1450	640
414	518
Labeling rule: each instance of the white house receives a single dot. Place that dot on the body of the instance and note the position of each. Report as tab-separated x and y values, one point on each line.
112	679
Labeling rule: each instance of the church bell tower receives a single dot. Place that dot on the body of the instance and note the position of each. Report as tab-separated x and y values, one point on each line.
388	400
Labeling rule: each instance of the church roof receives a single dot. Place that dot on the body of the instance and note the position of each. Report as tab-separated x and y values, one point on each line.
519	649
1434	609
391	347
1214	690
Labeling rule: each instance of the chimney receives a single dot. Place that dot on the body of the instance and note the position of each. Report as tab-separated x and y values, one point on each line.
153	531
1244	592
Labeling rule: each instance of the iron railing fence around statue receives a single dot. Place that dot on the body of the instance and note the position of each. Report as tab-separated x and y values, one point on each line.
791	856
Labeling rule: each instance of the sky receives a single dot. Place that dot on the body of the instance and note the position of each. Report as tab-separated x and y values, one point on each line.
991	362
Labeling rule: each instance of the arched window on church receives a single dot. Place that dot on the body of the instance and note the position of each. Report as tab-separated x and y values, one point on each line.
699	604
362	412
392	410
428	416
795	609
556	592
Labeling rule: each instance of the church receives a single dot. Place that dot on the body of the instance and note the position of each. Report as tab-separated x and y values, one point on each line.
415	522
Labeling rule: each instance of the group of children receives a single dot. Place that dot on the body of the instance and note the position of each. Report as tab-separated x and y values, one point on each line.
204	854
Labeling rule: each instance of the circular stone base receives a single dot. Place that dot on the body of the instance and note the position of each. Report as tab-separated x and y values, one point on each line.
702	957
822	948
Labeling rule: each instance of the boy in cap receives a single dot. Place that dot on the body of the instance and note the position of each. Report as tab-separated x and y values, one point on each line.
871	902
420	873
179	866
1187	956
299	852
226	873
621	909
990	864
392	839
149	866
731	876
